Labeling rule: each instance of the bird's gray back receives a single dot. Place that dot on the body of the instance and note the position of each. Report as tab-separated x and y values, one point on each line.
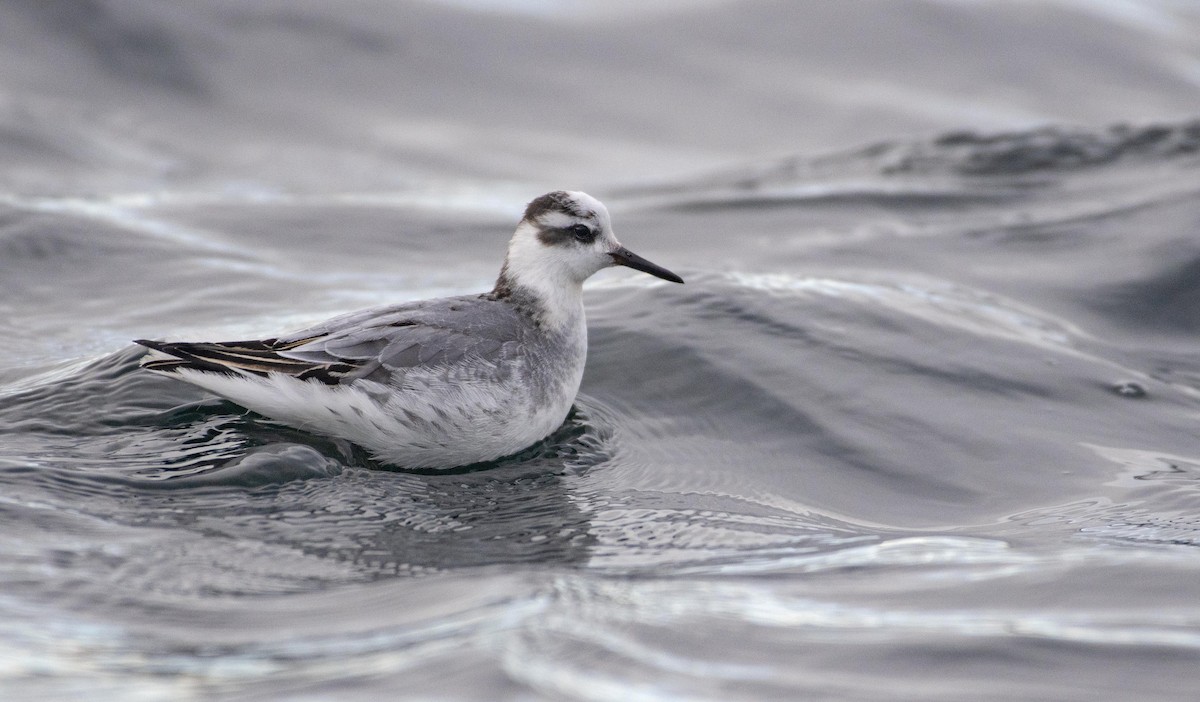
388	341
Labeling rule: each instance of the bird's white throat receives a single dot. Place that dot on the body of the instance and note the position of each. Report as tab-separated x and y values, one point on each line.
552	275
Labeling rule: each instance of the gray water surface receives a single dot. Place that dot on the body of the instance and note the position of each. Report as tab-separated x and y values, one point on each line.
923	424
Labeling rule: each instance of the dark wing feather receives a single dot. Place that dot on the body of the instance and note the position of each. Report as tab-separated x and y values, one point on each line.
257	357
374	343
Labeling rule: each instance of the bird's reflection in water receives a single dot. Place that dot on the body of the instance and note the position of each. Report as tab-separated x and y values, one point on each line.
385	521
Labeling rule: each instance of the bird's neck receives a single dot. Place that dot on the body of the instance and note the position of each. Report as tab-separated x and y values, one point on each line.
553	302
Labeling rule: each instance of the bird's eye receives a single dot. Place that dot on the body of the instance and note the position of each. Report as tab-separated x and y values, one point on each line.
583	233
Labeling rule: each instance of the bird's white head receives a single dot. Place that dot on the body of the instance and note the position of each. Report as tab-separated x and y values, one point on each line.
565	237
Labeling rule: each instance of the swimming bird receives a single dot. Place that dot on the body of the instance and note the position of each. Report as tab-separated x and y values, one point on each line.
434	383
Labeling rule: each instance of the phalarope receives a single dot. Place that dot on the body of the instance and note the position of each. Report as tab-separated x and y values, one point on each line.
435	383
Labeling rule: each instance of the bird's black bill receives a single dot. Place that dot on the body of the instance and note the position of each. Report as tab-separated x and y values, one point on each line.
625	257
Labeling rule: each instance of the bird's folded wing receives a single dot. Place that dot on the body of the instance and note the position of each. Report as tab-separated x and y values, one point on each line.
375	344
257	357
384	350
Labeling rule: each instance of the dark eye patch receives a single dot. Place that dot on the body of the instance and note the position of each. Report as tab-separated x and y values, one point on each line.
583	233
559	237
